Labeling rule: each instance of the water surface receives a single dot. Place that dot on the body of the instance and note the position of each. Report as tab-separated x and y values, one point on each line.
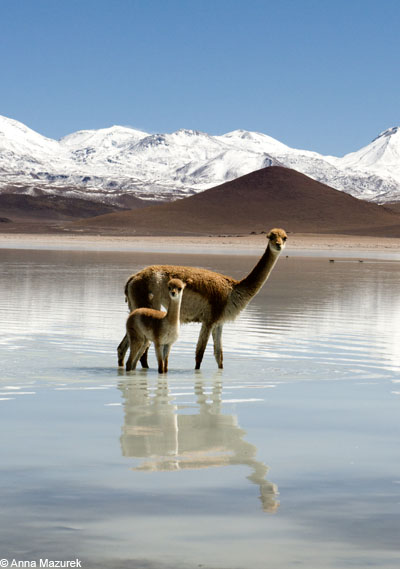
287	457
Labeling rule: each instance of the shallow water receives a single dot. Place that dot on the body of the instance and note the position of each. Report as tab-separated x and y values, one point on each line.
287	457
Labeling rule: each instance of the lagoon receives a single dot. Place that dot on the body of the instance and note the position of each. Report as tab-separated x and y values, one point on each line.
287	457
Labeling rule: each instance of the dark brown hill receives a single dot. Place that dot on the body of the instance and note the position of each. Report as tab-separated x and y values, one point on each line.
48	207
20	212
273	196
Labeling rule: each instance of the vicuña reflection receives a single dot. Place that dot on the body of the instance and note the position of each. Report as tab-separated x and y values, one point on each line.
156	430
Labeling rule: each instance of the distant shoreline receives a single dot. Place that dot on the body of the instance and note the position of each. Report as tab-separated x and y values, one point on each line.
298	244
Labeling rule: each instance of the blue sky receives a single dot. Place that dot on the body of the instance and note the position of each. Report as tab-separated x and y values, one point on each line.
315	74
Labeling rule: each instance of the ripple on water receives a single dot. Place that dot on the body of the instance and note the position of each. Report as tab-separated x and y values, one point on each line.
76	319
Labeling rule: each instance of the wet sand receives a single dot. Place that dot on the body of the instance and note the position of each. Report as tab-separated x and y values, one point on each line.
244	244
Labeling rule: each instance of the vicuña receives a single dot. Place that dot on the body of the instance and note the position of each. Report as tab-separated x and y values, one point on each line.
209	297
145	325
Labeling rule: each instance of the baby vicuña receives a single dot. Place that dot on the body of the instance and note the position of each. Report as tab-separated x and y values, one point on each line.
146	325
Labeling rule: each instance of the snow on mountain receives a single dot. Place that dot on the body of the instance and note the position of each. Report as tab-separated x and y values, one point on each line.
382	156
18	138
256	141
114	136
106	163
226	166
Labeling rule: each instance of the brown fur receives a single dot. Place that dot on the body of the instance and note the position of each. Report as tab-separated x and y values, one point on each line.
210	298
145	325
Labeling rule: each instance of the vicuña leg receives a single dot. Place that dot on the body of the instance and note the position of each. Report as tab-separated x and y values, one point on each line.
202	343
121	350
137	347
160	357
166	352
217	337
144	359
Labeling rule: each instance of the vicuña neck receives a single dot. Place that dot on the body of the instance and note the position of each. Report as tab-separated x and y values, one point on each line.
250	285
173	310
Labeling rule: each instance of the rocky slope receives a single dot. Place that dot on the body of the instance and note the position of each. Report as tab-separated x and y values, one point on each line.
107	165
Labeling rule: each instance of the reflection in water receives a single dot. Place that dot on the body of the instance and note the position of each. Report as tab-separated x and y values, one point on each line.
156	429
327	335
313	319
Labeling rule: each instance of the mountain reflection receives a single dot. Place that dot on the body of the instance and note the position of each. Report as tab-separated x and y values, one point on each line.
157	429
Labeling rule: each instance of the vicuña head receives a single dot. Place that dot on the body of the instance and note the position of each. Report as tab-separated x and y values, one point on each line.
209	297
277	239
175	288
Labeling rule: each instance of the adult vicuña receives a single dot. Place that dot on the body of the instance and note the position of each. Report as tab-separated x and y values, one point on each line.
145	325
209	297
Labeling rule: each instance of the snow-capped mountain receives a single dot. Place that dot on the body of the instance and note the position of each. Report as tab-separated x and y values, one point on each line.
107	163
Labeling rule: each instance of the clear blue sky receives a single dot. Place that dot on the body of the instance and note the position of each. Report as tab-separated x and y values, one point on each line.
322	75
